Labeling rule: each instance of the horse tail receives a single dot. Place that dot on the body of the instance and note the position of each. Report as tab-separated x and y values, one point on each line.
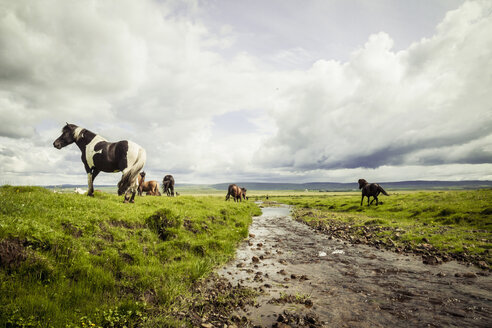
382	191
230	191
129	177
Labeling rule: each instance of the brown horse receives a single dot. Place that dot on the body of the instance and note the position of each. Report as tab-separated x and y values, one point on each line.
370	189
151	187
236	192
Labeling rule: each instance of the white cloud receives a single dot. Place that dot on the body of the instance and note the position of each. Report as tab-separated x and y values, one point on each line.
155	73
384	107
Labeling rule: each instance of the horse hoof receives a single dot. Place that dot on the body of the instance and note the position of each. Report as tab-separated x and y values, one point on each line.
132	201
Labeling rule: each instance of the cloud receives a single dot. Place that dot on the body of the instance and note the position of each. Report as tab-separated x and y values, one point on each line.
386	108
132	70
207	109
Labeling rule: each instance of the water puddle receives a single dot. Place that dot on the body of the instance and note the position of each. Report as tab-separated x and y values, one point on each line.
307	273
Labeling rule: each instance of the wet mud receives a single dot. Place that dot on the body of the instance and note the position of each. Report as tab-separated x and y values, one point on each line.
309	279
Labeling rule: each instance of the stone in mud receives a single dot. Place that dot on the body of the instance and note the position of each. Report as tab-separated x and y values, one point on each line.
312	318
469	275
282	272
280	325
281	318
255	259
483	265
252	235
430	260
207	325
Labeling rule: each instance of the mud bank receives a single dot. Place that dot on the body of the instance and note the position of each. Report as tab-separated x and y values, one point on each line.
309	279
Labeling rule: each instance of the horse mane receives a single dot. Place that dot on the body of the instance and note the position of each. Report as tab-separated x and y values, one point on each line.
78	133
362	183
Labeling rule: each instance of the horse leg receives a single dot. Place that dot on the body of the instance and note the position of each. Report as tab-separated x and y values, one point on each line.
132	190
90	186
90	181
362	199
132	198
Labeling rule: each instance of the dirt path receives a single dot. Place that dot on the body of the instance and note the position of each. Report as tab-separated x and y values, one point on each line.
311	279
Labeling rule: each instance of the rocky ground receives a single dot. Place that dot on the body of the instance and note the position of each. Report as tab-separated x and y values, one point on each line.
370	235
288	274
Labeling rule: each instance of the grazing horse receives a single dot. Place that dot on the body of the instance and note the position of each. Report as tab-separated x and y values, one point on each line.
237	193
370	189
168	185
100	155
150	187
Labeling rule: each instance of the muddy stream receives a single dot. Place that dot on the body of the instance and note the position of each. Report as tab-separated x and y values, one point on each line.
308	277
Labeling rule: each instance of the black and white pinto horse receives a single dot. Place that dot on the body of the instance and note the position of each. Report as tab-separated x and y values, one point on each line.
100	155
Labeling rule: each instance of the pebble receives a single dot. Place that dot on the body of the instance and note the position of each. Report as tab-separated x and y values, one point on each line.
469	275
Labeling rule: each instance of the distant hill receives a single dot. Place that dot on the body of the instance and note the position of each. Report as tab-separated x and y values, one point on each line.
323	186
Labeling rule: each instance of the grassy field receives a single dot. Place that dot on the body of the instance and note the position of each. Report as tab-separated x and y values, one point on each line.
68	260
452	223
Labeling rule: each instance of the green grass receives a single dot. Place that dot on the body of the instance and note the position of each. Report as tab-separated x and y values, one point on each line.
69	260
457	222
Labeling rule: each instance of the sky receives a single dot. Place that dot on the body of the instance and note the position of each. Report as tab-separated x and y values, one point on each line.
221	91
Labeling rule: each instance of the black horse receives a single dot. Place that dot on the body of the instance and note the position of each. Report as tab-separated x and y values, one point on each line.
168	185
370	189
100	155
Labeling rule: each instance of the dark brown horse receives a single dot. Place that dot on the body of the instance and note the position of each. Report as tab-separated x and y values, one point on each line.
168	185
237	193
151	187
370	190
